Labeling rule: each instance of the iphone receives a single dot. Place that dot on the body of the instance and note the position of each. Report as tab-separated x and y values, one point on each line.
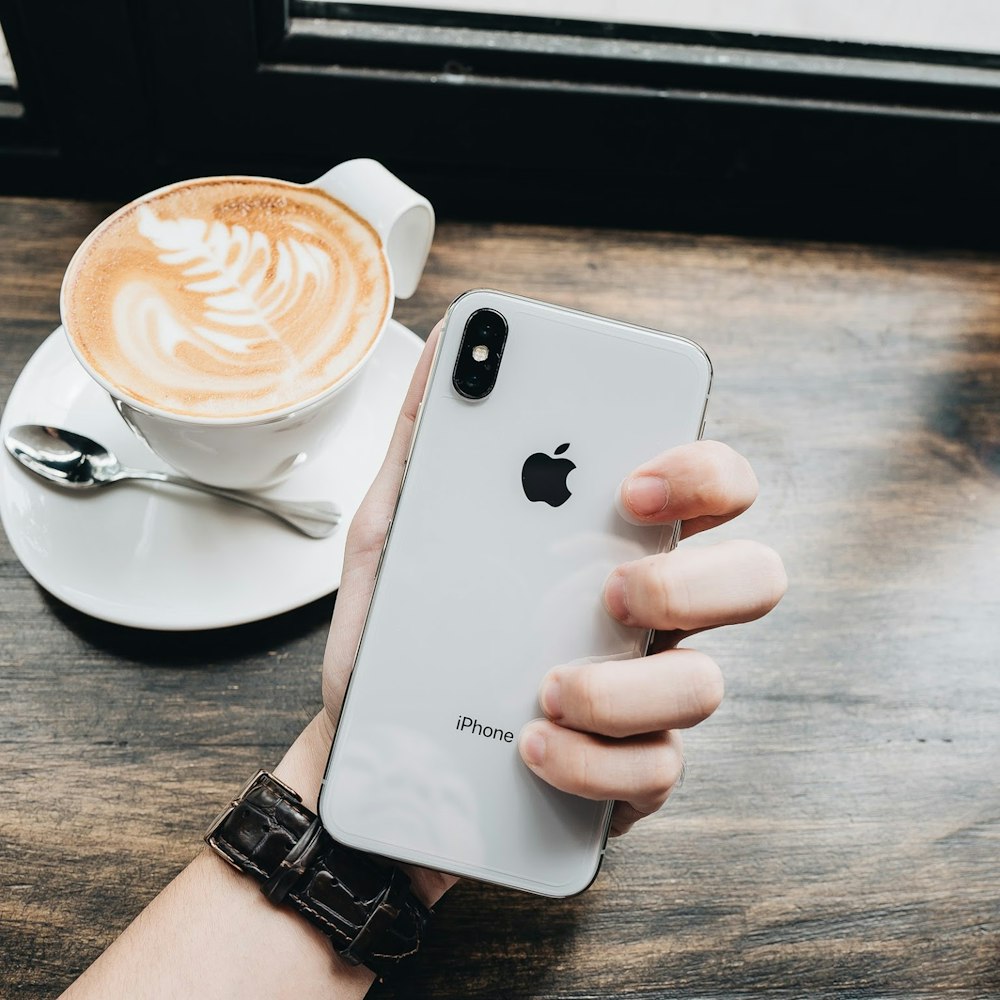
504	532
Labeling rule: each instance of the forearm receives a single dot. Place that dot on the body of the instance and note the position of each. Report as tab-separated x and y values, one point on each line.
211	932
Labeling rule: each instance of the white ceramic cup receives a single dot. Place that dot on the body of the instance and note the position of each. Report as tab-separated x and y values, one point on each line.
257	451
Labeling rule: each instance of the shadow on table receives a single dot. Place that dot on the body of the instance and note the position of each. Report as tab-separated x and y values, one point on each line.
497	942
196	648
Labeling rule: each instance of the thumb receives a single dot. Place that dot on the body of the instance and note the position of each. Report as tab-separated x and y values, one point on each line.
369	525
367	535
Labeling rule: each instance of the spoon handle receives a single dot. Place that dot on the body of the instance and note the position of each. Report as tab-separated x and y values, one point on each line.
315	518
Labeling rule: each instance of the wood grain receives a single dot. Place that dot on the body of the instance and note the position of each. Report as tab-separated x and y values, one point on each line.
838	830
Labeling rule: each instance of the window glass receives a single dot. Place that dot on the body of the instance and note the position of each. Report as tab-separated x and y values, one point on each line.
7	77
965	25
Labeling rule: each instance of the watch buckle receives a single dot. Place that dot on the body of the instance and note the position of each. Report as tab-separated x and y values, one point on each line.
210	833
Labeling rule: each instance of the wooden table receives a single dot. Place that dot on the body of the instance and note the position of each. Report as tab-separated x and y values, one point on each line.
838	829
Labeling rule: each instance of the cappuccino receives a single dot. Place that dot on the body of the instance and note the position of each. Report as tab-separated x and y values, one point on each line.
227	297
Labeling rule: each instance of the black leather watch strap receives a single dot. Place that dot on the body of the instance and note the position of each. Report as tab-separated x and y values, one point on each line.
365	906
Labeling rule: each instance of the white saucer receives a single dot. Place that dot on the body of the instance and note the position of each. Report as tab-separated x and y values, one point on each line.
162	558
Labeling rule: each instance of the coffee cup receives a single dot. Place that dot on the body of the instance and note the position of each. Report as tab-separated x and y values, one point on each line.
228	318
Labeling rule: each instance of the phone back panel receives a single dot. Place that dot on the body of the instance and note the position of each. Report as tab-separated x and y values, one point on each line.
481	591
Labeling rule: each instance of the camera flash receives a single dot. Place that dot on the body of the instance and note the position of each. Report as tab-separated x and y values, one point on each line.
480	352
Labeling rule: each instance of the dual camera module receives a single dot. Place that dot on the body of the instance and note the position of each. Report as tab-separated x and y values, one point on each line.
479	354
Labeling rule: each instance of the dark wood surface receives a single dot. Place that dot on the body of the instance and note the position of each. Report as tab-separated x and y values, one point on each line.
839	827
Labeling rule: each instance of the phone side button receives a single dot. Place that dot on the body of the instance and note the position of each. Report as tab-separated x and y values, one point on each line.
413	435
381	555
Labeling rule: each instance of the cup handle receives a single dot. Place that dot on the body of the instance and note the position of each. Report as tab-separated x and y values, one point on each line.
403	218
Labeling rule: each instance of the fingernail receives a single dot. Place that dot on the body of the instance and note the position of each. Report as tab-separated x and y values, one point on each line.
532	745
549	698
616	596
645	495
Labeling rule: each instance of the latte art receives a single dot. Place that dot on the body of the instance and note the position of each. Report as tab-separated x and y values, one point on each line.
228	297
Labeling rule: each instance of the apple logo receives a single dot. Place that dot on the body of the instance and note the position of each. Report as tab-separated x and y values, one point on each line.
544	477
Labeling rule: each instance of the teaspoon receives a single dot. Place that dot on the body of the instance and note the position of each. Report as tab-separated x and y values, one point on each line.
77	463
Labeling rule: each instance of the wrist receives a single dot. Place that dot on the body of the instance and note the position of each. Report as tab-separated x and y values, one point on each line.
259	926
365	906
304	763
302	768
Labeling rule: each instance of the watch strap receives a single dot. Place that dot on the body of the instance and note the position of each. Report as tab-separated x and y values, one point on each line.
363	905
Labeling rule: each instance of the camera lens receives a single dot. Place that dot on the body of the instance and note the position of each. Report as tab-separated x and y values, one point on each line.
480	354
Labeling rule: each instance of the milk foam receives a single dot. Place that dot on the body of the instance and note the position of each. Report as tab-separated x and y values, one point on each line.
228	297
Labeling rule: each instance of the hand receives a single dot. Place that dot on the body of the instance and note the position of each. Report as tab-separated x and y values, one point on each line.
364	547
361	558
611	727
615	719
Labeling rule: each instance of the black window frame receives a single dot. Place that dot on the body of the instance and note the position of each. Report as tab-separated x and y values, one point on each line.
509	118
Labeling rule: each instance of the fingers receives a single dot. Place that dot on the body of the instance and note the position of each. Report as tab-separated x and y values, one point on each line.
624	815
672	690
702	484
640	771
699	588
611	728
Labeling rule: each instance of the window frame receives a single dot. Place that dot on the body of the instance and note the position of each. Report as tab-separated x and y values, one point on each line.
506	117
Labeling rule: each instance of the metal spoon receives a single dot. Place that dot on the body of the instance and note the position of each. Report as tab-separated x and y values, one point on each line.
76	462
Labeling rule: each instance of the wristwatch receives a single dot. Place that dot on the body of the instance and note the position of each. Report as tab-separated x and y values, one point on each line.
364	905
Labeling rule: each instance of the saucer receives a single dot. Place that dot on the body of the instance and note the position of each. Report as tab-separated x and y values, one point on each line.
157	557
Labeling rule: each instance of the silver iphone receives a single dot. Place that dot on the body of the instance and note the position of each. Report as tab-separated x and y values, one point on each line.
504	532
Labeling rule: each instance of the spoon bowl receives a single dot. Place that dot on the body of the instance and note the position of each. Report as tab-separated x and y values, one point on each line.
62	457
